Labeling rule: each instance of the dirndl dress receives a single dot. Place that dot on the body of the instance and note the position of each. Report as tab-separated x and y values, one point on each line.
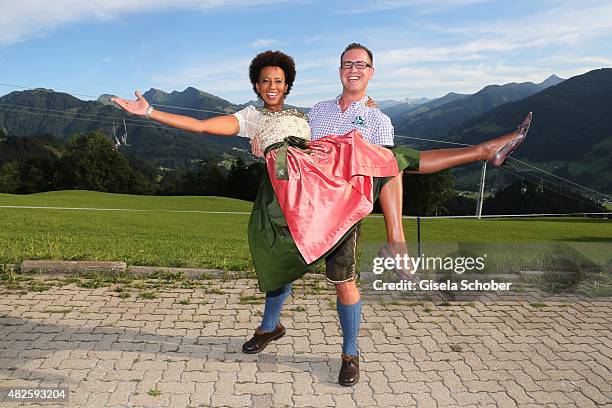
312	194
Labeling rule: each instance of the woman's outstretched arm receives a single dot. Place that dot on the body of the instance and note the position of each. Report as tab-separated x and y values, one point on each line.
224	125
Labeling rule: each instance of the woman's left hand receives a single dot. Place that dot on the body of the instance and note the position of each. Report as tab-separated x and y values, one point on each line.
138	107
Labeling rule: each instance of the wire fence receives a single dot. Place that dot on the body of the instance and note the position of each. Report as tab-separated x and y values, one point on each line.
414	217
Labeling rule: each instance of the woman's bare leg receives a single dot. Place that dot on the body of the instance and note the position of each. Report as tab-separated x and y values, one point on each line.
391	196
432	161
391	200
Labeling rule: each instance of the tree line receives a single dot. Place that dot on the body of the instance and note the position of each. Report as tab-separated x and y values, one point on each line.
91	162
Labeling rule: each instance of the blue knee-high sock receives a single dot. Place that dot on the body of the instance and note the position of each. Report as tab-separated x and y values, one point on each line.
350	317
274	304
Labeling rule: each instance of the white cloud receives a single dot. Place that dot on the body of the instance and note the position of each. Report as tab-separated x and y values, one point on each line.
468	56
20	20
558	28
567	23
225	78
419	5
580	59
264	42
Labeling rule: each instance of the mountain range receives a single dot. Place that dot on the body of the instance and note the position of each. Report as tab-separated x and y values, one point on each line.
436	117
407	102
571	132
43	111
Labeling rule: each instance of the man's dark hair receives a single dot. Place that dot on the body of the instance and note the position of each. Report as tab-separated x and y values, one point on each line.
272	59
353	46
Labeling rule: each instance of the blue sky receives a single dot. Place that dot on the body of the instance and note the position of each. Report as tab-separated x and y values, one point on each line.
421	47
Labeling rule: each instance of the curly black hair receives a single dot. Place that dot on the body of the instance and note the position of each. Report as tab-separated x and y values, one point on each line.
272	59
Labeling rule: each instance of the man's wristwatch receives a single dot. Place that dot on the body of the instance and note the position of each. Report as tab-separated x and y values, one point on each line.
148	113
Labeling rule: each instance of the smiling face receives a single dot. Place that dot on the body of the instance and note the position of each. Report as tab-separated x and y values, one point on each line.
271	87
354	80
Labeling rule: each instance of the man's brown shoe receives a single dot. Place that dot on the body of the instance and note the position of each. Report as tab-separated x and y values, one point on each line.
260	340
349	372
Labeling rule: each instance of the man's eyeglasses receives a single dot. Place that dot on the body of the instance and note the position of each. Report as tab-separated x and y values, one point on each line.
358	64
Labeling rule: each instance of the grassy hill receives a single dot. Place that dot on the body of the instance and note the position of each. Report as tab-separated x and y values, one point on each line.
94	199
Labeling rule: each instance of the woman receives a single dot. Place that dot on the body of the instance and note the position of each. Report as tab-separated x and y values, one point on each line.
336	177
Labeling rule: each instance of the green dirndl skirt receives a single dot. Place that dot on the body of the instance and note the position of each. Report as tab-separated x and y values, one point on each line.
276	258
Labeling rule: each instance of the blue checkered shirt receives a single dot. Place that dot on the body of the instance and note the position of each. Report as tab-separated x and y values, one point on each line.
326	118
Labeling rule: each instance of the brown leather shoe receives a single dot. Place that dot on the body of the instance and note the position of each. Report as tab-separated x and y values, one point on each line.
260	340
349	372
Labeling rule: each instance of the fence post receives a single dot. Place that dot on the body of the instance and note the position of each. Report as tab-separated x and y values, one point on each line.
481	193
418	235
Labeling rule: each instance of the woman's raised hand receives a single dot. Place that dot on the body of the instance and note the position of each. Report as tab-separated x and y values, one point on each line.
138	107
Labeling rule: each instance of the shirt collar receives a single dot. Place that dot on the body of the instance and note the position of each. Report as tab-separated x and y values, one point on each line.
362	101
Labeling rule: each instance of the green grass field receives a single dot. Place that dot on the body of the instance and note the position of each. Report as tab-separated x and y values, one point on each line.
160	237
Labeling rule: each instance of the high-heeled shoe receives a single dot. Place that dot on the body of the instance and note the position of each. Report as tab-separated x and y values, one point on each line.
392	250
521	132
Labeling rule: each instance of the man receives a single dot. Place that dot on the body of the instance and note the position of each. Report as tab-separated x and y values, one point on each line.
339	116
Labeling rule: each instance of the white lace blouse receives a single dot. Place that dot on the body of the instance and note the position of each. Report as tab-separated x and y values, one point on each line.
264	127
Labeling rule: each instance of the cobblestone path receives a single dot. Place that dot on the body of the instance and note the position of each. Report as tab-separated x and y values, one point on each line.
181	347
